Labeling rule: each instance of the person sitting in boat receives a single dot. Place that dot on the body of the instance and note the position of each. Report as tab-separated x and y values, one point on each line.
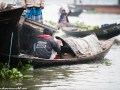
46	46
63	18
34	9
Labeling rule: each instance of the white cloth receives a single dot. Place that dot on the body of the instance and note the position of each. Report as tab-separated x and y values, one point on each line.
3	5
88	45
53	55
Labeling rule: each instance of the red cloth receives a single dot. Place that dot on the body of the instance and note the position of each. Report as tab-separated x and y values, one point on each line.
45	36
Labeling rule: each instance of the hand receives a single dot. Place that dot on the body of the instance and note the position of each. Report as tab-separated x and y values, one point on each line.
42	7
24	6
58	41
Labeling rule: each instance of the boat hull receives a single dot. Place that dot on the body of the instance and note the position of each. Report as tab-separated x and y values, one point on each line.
9	24
102	33
40	62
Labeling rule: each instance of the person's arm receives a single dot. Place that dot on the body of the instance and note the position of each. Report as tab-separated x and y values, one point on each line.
69	12
56	47
42	4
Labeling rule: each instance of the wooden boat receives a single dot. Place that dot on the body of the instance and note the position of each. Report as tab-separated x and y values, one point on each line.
28	28
9	19
10	16
71	58
76	12
102	33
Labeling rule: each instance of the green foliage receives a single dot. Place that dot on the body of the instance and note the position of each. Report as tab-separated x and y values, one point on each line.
1	65
14	73
79	24
6	73
84	27
51	23
25	67
117	42
106	62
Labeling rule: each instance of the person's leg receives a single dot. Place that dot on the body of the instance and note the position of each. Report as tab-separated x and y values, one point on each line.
33	14
28	13
39	17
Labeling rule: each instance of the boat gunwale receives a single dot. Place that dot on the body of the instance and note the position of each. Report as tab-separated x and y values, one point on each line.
90	30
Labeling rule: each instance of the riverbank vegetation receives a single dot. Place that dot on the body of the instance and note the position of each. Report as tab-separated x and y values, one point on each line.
14	72
85	27
81	25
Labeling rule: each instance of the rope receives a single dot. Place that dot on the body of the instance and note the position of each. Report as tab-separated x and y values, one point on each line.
10	49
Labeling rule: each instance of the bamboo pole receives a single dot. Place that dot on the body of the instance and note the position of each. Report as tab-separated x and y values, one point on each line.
10	49
40	24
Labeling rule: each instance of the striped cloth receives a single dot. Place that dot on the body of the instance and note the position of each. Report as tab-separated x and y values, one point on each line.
34	13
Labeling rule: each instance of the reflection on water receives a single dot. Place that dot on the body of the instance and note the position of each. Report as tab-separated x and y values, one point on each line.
92	76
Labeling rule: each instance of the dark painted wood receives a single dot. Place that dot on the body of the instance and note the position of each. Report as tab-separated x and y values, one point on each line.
76	12
102	33
8	23
119	2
